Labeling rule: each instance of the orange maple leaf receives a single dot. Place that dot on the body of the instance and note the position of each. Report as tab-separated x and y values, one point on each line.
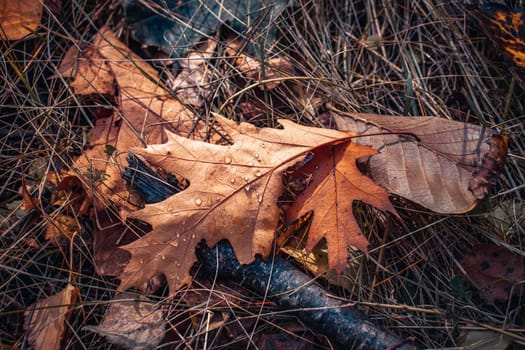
233	195
336	182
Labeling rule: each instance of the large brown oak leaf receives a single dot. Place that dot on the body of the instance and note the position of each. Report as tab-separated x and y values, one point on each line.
233	195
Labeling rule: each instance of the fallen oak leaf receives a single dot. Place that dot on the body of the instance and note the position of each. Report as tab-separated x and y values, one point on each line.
290	289
232	194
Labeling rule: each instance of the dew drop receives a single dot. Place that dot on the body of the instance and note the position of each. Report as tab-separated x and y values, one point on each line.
232	180
260	199
263	145
256	155
227	160
317	167
175	244
258	173
163	257
178	278
246	178
141	261
198	201
184	239
218	199
247	188
193	235
178	235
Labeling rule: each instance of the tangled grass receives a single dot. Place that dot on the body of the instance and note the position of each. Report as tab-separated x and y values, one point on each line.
423	57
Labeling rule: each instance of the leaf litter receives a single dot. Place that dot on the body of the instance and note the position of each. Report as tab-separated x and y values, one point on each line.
246	174
115	148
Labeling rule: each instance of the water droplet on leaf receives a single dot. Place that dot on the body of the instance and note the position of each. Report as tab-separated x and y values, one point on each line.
227	160
198	201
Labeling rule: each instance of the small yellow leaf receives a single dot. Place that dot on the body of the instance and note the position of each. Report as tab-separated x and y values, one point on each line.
62	225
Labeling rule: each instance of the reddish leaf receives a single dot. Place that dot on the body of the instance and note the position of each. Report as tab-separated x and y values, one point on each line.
495	270
335	184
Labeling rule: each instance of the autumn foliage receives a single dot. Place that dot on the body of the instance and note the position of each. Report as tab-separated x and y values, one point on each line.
236	177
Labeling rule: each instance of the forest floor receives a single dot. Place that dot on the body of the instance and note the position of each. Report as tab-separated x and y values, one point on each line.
423	58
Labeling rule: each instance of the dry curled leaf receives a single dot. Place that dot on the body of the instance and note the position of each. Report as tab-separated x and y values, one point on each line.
44	320
133	322
428	160
91	73
492	163
29	202
61	226
253	69
144	109
232	195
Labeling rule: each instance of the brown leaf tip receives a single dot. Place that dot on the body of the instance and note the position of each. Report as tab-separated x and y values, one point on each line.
492	164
